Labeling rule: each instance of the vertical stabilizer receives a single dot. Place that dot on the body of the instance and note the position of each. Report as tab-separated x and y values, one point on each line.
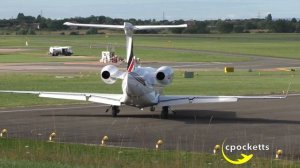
130	56
129	30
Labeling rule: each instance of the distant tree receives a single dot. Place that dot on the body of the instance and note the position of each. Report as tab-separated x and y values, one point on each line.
147	31
294	20
250	25
190	30
178	30
108	20
22	24
20	16
39	18
202	27
269	17
118	21
42	21
297	28
283	26
224	27
132	20
238	28
31	32
92	19
21	31
55	25
92	31
101	19
267	23
74	33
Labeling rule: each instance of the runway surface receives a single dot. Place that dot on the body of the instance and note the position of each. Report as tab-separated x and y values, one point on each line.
194	127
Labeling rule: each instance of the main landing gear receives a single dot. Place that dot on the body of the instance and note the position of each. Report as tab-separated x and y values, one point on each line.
165	112
115	110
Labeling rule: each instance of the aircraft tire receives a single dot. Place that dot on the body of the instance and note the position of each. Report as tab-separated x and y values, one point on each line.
165	112
115	111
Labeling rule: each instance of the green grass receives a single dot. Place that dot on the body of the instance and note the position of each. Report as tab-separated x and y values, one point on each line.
29	57
177	56
271	45
204	83
216	47
237	83
35	154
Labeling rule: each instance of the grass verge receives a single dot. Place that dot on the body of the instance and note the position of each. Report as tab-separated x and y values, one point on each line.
31	153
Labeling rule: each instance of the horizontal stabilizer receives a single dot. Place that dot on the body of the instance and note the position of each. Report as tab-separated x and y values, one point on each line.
95	25
126	25
146	27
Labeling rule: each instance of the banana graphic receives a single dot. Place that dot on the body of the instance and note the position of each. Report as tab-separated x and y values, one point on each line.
245	158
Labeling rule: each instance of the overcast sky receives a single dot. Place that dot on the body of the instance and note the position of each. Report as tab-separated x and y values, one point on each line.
153	9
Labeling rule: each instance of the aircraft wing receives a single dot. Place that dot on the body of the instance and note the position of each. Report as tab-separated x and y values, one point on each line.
179	100
110	99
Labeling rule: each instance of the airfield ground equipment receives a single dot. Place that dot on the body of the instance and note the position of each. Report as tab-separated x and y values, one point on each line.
60	50
109	56
188	74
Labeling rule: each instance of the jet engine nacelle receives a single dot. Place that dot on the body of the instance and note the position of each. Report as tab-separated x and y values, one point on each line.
109	74
164	75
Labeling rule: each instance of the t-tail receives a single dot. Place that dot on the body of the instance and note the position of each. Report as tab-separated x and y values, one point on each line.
129	31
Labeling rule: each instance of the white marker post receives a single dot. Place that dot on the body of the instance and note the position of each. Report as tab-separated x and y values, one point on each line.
104	140
158	144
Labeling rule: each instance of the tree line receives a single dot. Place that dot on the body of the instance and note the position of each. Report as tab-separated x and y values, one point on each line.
29	25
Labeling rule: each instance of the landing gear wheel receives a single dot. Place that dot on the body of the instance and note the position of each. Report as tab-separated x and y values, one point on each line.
165	112
152	108
115	110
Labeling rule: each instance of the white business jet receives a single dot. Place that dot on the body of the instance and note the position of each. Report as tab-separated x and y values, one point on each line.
142	86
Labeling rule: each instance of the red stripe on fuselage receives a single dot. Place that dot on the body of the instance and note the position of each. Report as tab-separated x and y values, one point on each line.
131	66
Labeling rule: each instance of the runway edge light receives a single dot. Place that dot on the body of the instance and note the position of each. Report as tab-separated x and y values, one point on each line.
52	137
279	152
216	149
228	69
4	133
104	140
158	144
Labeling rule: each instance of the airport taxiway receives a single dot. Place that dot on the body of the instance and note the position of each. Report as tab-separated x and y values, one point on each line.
194	127
256	62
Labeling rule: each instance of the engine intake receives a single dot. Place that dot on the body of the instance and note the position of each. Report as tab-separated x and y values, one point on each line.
160	76
105	74
164	75
108	74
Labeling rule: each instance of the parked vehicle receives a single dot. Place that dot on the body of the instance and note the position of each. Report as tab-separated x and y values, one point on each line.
58	50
